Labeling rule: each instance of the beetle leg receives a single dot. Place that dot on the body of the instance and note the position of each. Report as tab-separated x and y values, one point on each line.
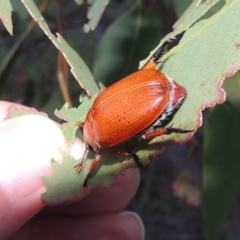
98	157
79	124
136	159
163	131
157	56
133	155
93	166
129	153
80	166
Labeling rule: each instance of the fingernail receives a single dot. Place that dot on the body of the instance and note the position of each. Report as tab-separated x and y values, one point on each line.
138	220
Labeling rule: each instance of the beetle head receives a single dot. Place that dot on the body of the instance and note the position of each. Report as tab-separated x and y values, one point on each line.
88	133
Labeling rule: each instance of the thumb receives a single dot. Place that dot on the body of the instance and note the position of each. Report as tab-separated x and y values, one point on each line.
28	143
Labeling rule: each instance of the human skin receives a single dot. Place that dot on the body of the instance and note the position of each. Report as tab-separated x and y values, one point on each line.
27	145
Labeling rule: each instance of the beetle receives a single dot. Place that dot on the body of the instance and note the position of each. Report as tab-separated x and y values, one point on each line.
139	105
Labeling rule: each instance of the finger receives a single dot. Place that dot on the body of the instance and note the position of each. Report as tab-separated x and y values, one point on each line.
28	143
117	226
102	200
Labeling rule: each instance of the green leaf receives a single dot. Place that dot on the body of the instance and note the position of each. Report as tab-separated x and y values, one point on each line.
195	11
6	15
95	13
65	184
180	6
74	116
125	43
78	68
202	60
221	167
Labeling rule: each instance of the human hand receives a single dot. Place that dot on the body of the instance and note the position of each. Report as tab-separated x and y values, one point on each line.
27	144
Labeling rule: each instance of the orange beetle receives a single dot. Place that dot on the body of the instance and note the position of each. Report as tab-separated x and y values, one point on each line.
138	105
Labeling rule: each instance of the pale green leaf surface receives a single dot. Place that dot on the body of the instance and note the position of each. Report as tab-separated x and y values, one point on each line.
65	184
6	15
214	9
202	60
74	116
221	167
195	11
94	14
180	6
78	68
